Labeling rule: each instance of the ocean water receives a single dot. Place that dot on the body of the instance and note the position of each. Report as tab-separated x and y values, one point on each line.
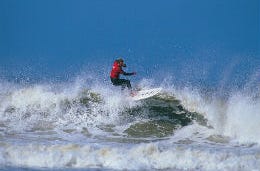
79	126
59	111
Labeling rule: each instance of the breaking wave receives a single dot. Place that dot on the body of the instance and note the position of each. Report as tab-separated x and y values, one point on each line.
92	126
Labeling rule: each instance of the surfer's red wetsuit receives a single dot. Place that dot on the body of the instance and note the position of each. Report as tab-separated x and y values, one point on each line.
116	70
115	73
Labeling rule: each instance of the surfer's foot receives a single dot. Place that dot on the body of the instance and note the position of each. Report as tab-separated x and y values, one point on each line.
133	93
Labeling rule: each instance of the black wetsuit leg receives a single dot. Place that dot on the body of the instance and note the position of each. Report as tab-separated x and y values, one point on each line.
121	82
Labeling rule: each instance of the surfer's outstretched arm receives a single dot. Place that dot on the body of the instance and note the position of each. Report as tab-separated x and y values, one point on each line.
128	74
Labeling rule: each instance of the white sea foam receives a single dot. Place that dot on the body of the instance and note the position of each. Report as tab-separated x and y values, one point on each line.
30	107
243	118
43	107
137	157
224	144
237	117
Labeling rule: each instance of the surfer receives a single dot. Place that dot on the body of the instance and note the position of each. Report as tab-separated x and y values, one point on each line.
115	74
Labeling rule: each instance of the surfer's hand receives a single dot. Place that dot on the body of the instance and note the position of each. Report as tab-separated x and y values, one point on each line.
134	73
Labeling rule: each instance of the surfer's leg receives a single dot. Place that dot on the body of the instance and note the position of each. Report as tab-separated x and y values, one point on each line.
126	83
115	81
121	82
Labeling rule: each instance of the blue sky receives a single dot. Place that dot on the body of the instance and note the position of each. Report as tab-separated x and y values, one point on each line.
200	39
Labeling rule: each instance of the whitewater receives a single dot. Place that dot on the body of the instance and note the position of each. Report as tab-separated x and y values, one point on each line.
81	126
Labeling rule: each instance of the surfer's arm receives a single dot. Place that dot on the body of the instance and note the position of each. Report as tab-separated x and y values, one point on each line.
128	74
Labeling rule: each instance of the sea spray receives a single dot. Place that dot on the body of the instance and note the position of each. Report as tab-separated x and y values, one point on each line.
93	126
243	118
235	116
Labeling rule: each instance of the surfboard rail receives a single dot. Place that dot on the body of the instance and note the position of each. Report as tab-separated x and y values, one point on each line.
144	94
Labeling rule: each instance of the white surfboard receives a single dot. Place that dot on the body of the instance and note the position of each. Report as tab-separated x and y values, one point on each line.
144	94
